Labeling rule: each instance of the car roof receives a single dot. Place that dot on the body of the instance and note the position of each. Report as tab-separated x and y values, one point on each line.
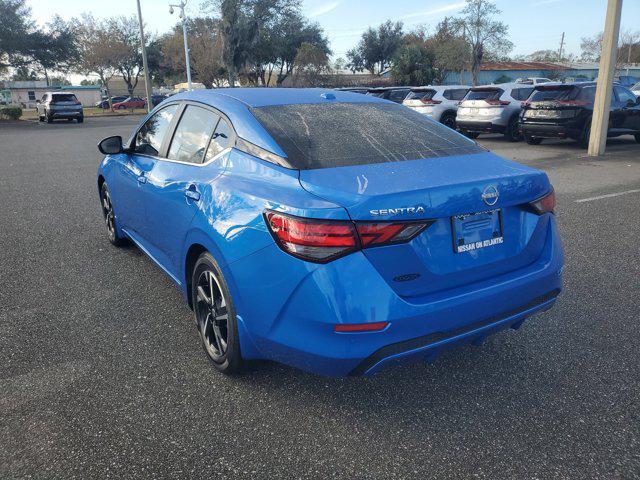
438	87
263	97
384	89
236	102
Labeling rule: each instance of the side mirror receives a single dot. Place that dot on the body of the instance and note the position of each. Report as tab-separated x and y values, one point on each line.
111	145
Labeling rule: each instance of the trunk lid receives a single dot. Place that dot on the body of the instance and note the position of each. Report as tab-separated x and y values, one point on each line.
440	189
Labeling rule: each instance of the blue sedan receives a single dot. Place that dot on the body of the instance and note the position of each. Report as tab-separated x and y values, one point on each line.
335	232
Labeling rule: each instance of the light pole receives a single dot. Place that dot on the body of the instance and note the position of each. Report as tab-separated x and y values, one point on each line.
182	15
145	65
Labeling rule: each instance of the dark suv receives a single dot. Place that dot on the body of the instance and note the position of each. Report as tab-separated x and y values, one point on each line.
565	110
395	94
58	105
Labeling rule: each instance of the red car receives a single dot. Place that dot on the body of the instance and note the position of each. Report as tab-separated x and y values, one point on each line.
129	104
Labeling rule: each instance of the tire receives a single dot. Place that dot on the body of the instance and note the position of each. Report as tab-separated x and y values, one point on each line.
48	117
472	135
449	120
533	140
122	107
69	120
512	133
584	136
80	119
215	316
637	135
110	217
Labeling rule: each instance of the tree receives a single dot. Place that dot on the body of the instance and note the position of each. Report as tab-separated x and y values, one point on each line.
242	23
311	63
98	55
376	48
449	47
24	74
167	60
54	49
59	80
628	48
414	64
485	36
125	42
590	48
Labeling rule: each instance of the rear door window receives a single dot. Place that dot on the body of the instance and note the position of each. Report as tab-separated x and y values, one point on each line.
398	95
149	138
222	138
192	135
456	94
345	134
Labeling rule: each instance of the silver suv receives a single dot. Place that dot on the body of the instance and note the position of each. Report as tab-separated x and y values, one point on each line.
493	109
56	105
439	103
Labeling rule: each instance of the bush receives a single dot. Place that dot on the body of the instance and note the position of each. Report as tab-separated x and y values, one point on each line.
10	112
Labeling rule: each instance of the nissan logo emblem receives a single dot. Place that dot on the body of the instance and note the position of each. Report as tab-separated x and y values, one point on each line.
490	195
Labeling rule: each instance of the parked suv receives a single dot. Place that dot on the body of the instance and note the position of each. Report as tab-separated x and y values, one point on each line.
565	110
439	103
493	109
56	105
395	94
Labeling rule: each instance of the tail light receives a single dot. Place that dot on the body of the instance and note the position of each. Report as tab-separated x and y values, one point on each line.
428	101
497	102
545	204
321	241
360	327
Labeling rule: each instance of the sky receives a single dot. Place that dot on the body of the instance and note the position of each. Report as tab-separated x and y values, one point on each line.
533	24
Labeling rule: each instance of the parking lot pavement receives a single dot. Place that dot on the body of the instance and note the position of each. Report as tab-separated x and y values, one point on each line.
102	376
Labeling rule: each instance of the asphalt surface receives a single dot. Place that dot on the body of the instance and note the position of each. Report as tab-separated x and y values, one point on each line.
102	374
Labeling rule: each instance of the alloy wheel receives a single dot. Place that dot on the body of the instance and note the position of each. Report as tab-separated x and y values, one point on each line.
212	315
109	216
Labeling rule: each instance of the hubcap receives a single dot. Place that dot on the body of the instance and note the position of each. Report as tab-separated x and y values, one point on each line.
212	314
109	217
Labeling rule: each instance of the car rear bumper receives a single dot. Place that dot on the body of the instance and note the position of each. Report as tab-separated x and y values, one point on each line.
350	290
66	114
541	130
480	127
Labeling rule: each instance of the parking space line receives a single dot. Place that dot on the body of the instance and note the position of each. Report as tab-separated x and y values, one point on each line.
608	195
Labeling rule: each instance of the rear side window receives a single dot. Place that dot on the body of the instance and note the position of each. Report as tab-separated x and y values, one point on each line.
376	93
192	135
420	94
484	94
150	137
521	93
344	134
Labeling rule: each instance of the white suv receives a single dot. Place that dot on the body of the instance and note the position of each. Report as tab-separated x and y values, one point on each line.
493	109
439	103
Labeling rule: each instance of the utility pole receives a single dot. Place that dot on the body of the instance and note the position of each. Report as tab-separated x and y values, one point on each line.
604	90
183	16
561	47
145	64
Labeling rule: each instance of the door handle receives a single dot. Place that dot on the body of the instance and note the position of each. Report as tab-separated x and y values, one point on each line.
192	194
142	179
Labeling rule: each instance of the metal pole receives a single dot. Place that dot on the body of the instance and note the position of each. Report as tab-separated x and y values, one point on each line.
145	65
186	48
602	104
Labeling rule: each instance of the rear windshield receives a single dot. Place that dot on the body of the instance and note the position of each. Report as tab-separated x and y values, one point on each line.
420	94
375	93
521	93
64	97
344	134
547	94
484	94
